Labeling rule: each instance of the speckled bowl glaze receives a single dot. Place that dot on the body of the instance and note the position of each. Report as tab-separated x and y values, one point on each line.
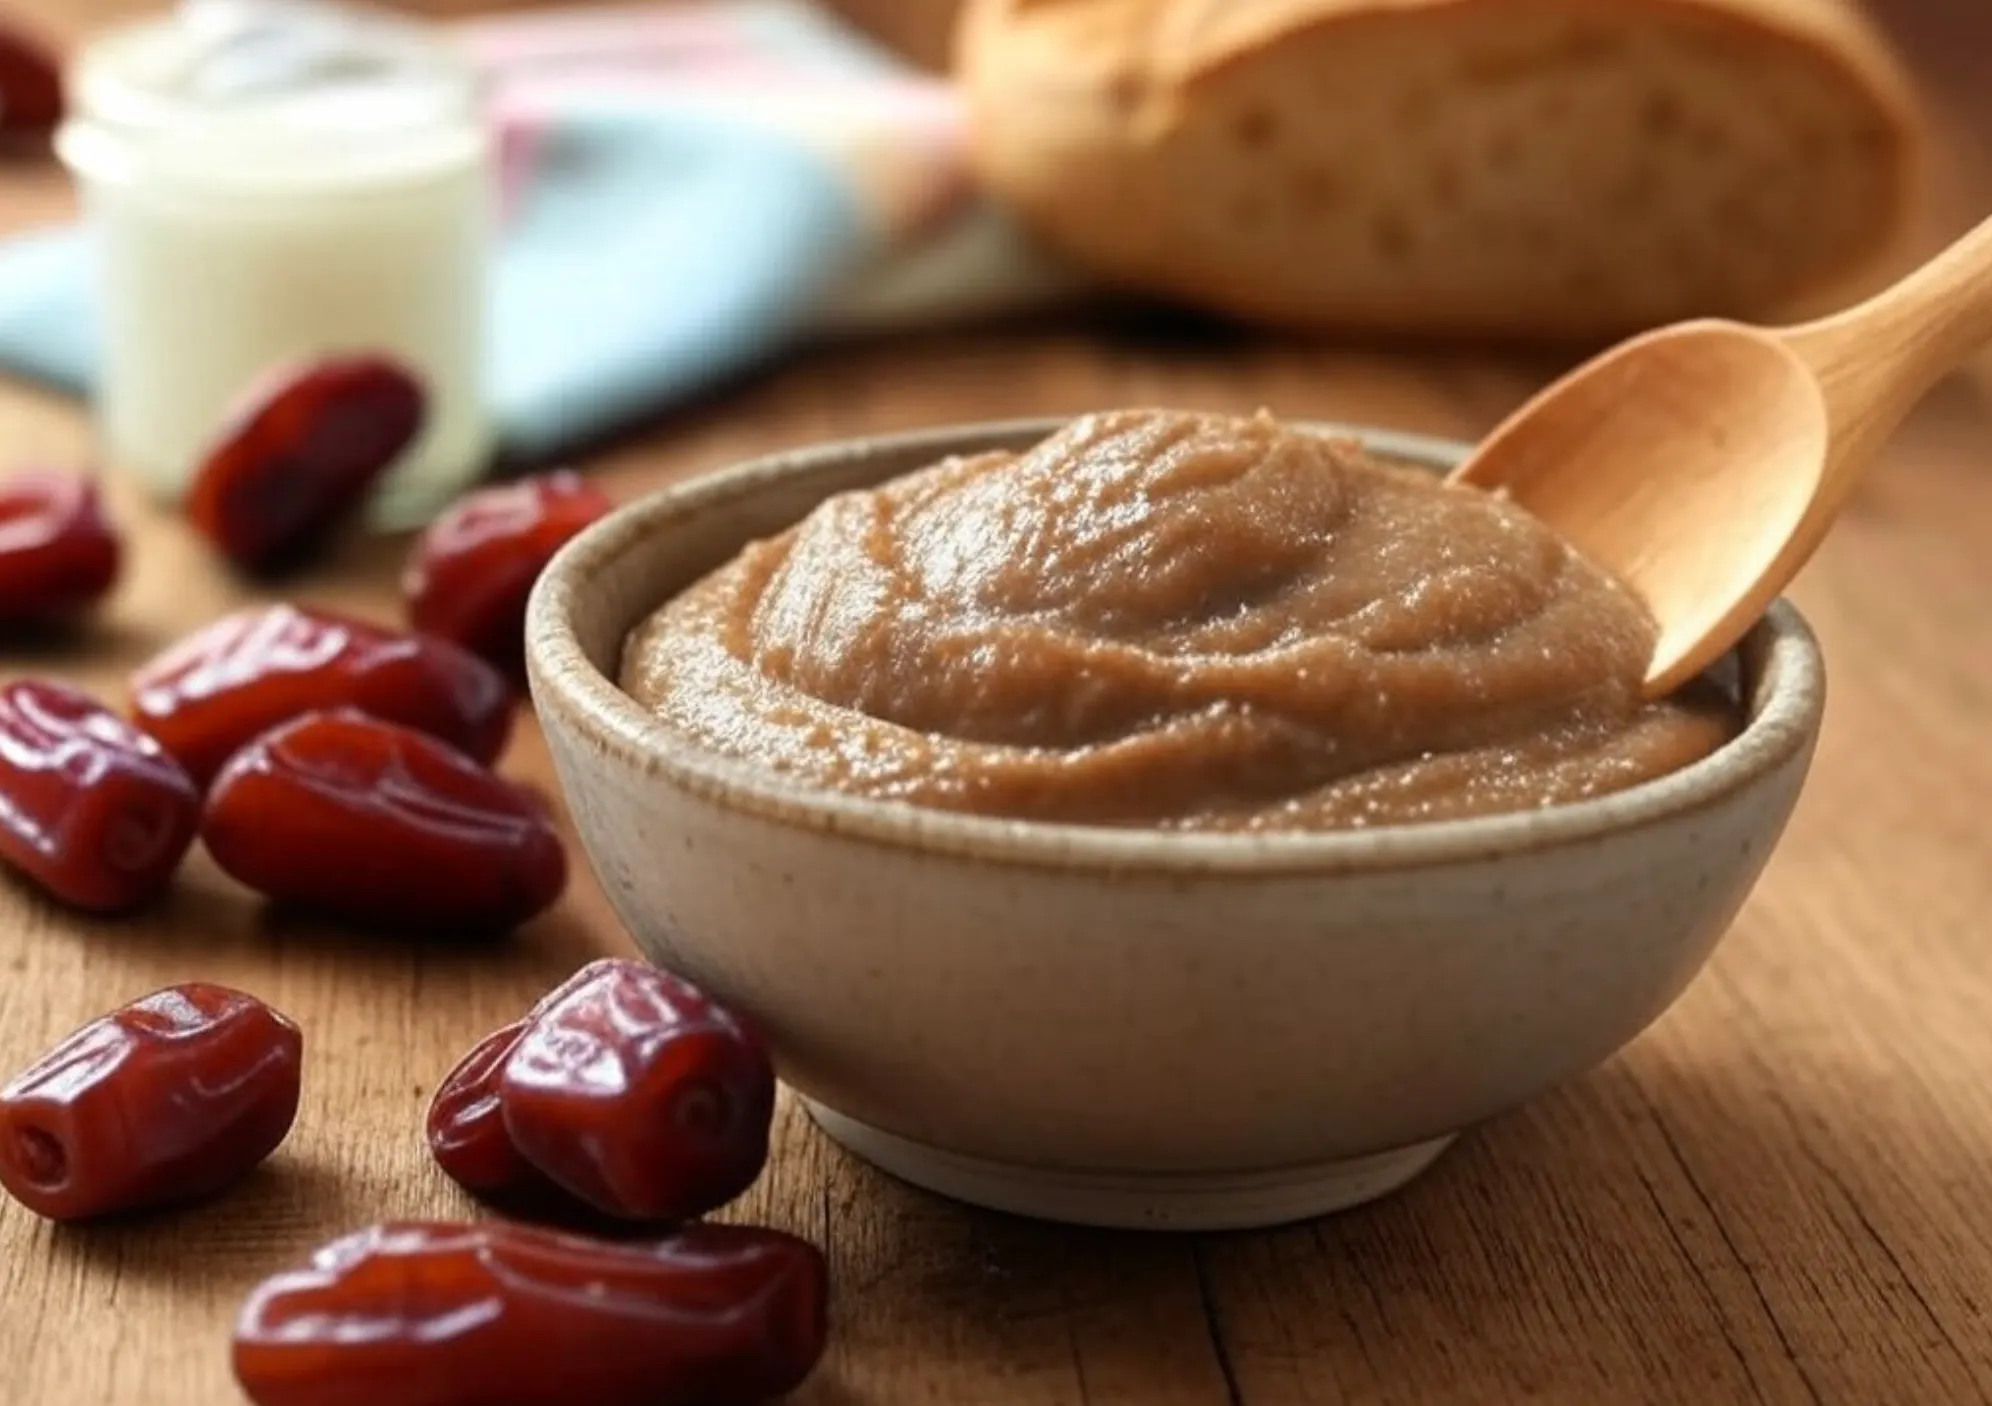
1134	1028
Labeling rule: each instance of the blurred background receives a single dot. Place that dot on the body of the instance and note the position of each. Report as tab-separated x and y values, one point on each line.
1946	43
1948	38
592	248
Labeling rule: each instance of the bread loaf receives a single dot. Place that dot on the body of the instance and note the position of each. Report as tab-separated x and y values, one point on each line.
1526	169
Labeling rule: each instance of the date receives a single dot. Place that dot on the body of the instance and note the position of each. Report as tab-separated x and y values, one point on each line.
91	809
368	820
31	98
638	1094
212	693
172	1098
466	1128
434	1314
467	1136
471	572
299	453
59	555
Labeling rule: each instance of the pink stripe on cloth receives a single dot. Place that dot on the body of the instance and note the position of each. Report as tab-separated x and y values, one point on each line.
780	39
516	136
844	102
565	36
777	62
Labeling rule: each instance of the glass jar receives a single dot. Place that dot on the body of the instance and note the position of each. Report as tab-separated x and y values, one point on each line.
271	180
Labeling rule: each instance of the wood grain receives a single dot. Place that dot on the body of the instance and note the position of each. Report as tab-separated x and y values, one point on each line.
1782	1193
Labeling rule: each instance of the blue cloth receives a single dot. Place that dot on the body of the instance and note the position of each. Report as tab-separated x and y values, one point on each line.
655	257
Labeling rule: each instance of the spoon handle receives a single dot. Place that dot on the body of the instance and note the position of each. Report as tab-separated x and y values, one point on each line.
1876	360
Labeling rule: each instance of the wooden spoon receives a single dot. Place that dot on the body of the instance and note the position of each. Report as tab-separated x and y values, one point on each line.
1704	463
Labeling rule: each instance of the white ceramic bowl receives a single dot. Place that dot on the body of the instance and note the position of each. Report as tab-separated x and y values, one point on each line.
1123	1027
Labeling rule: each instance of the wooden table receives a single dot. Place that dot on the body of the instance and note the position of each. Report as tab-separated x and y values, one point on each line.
1783	1192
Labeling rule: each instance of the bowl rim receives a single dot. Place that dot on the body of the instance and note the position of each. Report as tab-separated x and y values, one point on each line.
570	692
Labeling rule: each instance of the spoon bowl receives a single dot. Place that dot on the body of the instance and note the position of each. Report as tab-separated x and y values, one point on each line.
1688	400
1704	463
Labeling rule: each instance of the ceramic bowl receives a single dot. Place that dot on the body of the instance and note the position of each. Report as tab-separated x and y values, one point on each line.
1122	1027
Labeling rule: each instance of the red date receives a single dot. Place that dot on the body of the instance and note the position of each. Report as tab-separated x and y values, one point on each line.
466	1128
472	570
362	818
30	85
299	453
91	809
172	1098
58	553
636	1093
470	1142
429	1314
214	692
468	1138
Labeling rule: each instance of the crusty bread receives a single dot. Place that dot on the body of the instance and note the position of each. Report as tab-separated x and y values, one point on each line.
1535	169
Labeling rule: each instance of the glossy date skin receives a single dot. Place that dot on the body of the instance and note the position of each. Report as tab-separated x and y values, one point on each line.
432	1314
59	555
299	453
172	1098
472	570
31	99
91	809
466	1129
212	693
640	1095
361	818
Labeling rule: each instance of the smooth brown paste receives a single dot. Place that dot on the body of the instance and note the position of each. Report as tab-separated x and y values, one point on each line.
1177	620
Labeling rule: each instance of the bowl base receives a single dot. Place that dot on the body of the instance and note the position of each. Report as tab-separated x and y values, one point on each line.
1132	1200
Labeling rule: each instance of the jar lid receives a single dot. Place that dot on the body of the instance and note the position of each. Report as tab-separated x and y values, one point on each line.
277	95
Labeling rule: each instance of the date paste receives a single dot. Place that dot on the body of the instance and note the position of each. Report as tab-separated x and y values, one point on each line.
1175	620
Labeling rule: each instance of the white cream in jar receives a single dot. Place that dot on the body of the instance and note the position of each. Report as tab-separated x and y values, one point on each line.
270	180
